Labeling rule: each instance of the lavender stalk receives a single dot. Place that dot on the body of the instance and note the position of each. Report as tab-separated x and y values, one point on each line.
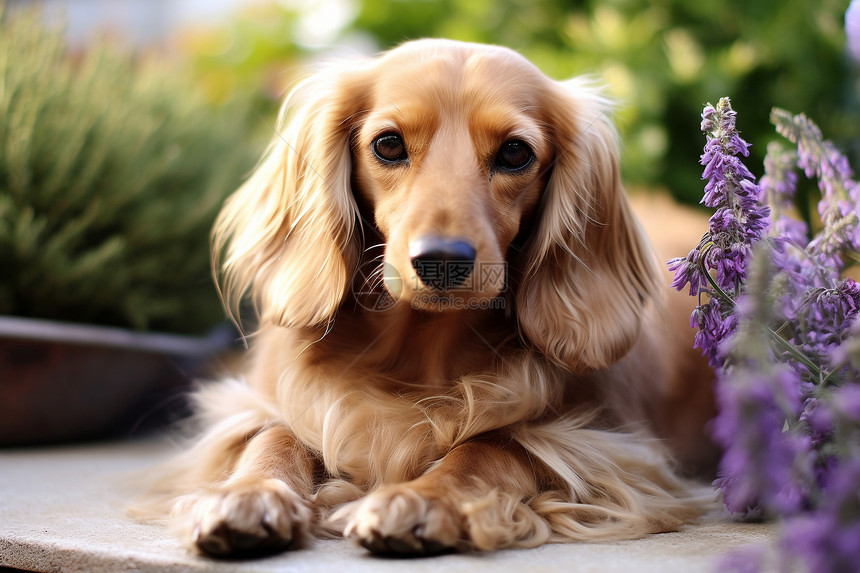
740	220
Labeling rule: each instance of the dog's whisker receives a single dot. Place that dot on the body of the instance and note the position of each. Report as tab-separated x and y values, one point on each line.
376	246
374	279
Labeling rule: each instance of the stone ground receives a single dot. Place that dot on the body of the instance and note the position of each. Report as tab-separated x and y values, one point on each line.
62	509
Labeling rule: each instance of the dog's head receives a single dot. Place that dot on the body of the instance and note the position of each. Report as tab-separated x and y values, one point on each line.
474	172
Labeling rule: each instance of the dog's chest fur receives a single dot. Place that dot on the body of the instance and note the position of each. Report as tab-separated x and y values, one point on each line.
381	409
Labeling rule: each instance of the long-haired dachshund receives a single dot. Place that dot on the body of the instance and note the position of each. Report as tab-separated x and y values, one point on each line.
460	344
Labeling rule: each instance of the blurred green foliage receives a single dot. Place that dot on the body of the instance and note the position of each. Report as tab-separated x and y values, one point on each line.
111	173
661	60
255	52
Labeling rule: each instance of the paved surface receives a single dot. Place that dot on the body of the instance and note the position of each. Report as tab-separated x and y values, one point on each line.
62	509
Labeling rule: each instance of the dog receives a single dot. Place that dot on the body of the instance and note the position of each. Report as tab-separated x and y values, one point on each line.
462	339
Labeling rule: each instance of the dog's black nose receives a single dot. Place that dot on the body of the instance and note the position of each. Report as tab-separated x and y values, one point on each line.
442	263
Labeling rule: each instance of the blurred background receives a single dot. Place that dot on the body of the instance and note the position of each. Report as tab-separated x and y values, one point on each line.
168	103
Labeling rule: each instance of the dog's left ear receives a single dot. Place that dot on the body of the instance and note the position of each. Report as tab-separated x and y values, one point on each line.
589	270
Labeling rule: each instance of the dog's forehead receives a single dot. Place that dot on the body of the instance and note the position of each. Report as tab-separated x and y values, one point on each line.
458	72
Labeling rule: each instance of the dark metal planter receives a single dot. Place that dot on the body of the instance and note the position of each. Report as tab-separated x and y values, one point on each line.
63	382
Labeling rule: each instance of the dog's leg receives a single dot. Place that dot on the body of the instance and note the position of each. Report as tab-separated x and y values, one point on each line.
259	507
472	498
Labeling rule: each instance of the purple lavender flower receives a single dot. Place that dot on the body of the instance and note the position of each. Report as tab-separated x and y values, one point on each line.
687	271
822	318
713	326
763	466
779	184
739	221
823	543
839	207
828	538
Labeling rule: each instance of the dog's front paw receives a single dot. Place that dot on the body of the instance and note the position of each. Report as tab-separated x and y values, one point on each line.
255	518
399	520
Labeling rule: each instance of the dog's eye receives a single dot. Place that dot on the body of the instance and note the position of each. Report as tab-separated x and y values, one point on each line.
514	155
389	148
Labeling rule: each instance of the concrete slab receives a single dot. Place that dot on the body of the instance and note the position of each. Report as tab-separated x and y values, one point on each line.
62	509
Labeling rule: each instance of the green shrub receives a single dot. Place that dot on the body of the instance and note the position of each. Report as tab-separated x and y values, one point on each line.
111	173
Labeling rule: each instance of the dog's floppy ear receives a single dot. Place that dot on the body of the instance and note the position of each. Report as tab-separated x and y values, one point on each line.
288	236
589	271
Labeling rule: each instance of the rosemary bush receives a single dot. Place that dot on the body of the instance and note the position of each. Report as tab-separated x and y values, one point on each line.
111	172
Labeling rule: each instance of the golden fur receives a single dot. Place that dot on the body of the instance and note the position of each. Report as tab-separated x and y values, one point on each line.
518	411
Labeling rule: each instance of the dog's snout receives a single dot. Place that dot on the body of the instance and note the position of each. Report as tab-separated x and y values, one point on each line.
442	263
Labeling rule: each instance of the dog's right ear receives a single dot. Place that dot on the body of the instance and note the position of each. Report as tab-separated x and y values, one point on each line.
590	270
288	239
